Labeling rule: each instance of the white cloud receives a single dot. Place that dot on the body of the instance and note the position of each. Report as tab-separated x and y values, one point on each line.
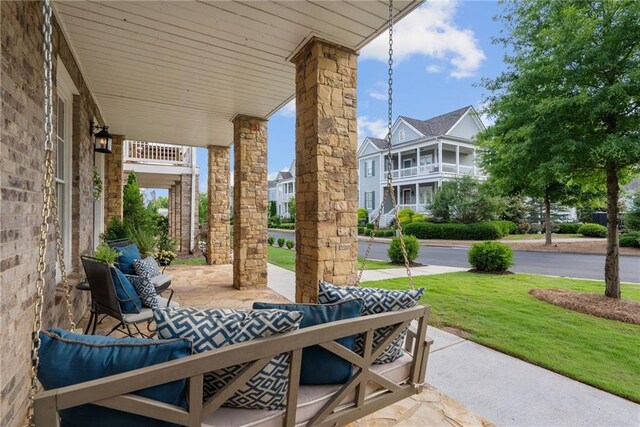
434	69
288	109
431	31
373	128
378	95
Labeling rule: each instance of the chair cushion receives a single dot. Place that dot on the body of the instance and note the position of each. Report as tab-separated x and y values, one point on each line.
67	358
147	313
320	366
146	267
161	280
145	290
375	301
210	329
127	297
127	255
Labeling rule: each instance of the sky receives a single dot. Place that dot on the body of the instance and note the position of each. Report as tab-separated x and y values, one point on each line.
441	51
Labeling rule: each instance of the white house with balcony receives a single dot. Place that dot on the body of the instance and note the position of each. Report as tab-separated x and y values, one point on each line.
282	189
170	167
425	153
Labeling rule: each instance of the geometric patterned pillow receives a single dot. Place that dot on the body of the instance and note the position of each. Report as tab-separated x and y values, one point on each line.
375	301
210	329
145	290
146	267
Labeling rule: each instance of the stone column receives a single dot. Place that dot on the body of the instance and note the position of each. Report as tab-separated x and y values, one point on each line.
114	180
249	202
326	167
186	204
178	215
219	230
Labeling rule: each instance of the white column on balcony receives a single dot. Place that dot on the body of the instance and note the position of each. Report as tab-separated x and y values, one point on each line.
417	198
418	161
440	156
458	159
399	164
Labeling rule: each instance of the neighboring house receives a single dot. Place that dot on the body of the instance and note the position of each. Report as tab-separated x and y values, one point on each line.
282	189
425	153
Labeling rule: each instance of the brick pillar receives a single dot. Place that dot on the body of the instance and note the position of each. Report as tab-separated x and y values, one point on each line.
219	229
326	167
186	206
114	180
171	196
250	202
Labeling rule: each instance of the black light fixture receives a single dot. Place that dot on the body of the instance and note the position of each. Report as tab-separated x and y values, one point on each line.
102	139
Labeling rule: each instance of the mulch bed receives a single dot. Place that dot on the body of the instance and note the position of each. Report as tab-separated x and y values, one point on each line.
594	304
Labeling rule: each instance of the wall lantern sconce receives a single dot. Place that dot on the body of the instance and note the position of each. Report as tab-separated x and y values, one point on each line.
101	139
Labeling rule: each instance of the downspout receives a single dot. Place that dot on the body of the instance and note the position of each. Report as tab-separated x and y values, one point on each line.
194	202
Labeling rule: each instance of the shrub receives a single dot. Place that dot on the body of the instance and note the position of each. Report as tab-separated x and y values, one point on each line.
507	227
281	241
569	227
535	229
270	240
395	249
384	233
418	218
115	230
451	231
632	218
360	230
593	230
630	240
370	226
490	256
367	231
363	216
105	253
466	200
274	222
145	239
406	216
523	228
290	244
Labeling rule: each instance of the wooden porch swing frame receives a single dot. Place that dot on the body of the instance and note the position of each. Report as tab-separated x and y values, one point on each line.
115	391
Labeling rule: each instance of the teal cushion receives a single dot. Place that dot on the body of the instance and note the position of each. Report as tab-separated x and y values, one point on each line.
127	297
67	358
320	366
128	254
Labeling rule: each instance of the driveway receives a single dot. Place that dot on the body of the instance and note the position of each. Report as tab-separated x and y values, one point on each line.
550	263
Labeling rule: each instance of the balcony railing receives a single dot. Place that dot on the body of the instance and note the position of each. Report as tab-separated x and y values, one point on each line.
434	168
156	153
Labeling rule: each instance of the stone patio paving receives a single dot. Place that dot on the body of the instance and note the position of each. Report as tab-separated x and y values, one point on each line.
211	286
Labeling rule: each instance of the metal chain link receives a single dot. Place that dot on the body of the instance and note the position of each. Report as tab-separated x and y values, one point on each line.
49	208
389	187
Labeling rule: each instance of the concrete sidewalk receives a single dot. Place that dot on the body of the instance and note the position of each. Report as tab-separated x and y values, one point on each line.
506	390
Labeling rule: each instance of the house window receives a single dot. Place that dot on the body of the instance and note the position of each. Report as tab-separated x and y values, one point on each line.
63	172
369	199
402	135
369	168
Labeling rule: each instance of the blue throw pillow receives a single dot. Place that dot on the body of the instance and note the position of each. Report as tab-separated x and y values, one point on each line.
320	366
67	358
127	296
128	254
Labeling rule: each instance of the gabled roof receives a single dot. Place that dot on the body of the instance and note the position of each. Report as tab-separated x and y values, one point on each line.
285	175
381	144
438	125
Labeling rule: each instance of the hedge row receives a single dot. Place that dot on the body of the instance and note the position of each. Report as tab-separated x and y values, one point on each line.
478	231
286	226
379	233
568	227
630	240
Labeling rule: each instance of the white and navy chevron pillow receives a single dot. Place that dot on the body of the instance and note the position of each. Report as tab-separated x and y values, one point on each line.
375	301
214	328
145	290
146	267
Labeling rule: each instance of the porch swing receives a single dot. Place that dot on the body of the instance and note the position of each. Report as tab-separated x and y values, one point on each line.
136	393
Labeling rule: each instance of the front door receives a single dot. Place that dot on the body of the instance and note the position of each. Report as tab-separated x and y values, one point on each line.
406	196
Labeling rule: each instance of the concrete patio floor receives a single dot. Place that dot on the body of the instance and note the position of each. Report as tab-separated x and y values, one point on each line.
211	286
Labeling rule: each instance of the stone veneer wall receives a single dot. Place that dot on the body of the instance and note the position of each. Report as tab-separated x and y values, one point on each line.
21	176
326	167
219	228
250	202
114	180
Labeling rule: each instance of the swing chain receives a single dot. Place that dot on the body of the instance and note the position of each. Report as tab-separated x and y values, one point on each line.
389	187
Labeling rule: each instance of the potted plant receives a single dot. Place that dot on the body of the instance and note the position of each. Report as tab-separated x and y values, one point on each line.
166	249
146	241
105	253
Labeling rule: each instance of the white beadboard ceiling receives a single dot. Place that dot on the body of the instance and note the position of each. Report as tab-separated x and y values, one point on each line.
178	71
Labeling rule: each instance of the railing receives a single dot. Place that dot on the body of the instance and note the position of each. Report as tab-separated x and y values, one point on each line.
422	208
157	153
116	391
434	168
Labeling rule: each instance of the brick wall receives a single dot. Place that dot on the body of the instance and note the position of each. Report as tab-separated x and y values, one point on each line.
21	170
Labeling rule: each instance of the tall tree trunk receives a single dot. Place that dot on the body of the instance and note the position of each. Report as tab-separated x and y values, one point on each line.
612	262
548	226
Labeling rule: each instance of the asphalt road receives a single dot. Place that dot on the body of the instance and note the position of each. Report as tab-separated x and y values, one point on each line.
555	264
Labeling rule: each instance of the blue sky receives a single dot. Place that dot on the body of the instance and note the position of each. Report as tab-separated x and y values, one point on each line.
442	50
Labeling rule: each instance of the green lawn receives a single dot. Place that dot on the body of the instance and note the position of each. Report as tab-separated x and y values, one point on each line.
286	258
188	261
538	236
497	312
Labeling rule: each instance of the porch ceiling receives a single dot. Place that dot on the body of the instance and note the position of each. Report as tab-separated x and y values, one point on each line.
178	71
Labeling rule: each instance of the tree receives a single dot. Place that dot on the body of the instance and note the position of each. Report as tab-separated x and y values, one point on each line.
574	74
632	217
273	209
157	203
466	200
292	209
134	213
203	209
